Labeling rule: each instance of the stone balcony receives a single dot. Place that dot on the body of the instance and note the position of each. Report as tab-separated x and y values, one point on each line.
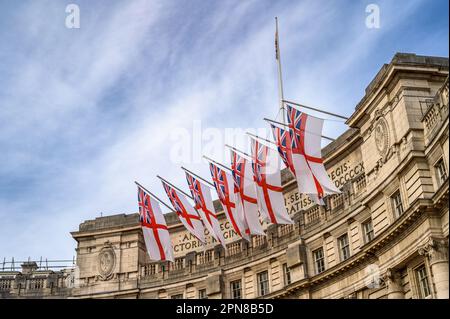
241	254
435	111
316	218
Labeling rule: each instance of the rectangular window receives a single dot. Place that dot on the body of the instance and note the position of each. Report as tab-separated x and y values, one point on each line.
344	247
441	172
319	260
263	283
177	296
202	294
286	274
368	231
236	289
422	280
397	203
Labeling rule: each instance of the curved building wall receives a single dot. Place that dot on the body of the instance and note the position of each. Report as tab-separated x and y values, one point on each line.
385	236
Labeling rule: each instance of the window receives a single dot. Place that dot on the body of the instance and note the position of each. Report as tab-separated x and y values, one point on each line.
236	289
286	274
177	296
368	231
422	280
397	203
263	283
319	260
344	247
202	294
440	172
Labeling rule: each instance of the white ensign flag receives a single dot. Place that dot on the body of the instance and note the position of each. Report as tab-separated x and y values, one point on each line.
267	175
154	228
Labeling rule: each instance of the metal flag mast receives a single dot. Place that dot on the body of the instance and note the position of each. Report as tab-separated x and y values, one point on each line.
261	138
154	196
280	84
217	163
279	123
316	109
239	152
223	166
170	184
280	76
199	177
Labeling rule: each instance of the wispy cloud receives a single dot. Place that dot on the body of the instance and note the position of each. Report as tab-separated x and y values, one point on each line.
85	112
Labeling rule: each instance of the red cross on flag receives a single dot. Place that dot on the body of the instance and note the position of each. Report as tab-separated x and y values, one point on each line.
283	139
223	182
267	175
245	192
186	213
205	207
306	132
154	228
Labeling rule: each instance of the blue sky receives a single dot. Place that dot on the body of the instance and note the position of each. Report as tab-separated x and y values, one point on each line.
85	112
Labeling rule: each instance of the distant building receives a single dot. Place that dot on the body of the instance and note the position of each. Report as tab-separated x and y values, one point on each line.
36	281
385	236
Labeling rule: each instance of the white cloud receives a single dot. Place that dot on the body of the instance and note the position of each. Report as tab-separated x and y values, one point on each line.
91	112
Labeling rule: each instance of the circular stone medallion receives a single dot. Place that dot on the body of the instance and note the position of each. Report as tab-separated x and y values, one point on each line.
381	136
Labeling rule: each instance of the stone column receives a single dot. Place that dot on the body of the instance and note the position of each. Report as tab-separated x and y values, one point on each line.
394	284
437	252
219	253
272	235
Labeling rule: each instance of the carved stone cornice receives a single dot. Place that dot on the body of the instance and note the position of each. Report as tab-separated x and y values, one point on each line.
436	249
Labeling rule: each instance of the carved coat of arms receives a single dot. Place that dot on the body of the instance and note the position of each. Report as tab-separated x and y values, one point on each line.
106	262
381	136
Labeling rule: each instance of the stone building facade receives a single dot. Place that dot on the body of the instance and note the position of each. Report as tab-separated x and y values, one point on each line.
385	236
33	281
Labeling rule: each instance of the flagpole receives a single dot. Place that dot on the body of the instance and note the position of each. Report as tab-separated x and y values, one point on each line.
217	163
261	138
154	196
195	175
315	109
280	76
238	151
170	184
279	123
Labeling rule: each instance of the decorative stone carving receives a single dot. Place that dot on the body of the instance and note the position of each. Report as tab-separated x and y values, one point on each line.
106	262
435	249
391	276
393	282
381	136
404	143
